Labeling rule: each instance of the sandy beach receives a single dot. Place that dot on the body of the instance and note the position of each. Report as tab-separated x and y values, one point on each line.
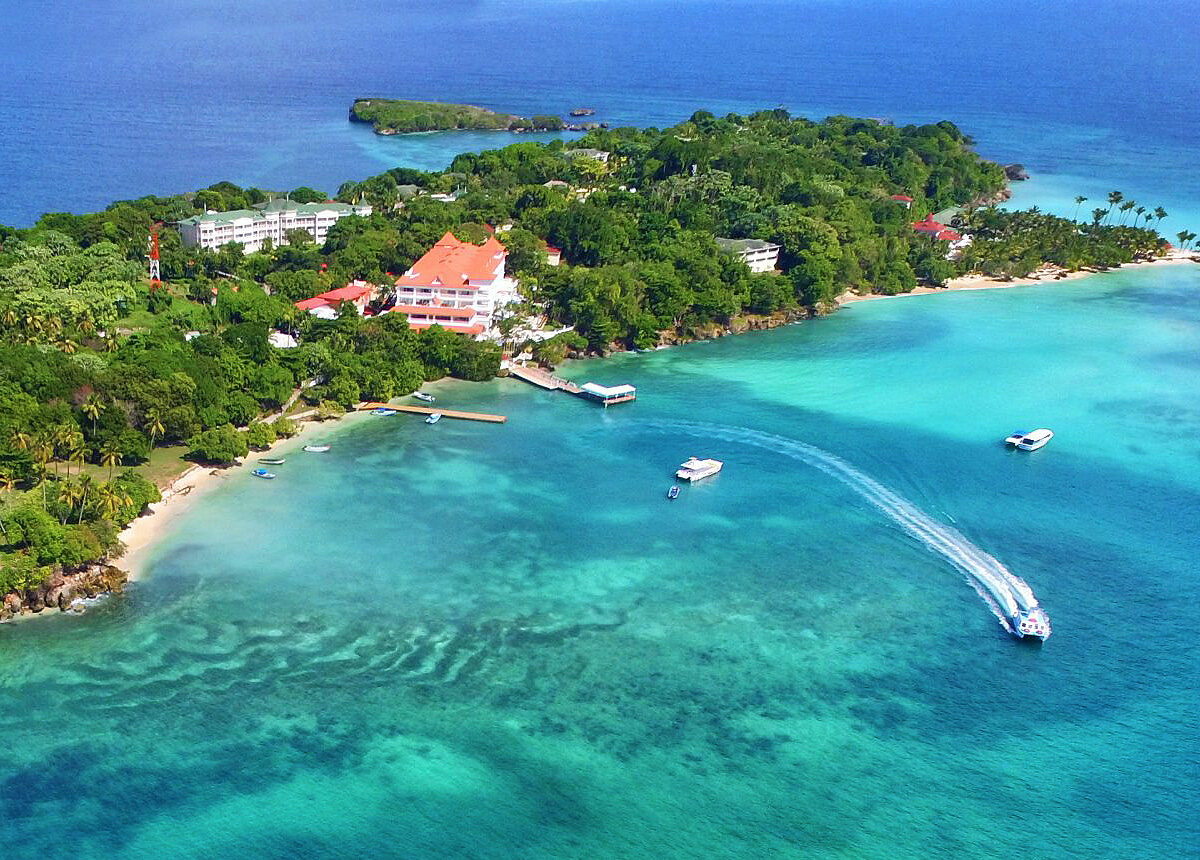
140	535
1044	275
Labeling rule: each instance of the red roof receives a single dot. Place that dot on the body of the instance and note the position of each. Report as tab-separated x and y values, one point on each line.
353	292
902	198
452	263
550	249
928	226
949	235
434	310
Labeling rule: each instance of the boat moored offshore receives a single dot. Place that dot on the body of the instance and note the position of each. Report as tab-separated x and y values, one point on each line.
1032	440
421	395
434	418
694	468
316	449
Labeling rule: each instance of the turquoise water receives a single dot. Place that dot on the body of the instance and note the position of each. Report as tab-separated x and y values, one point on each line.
498	641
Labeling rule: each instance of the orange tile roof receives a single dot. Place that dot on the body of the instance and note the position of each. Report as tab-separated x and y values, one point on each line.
352	292
451	263
457	329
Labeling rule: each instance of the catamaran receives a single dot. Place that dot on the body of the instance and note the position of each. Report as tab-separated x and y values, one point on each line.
1030	441
693	469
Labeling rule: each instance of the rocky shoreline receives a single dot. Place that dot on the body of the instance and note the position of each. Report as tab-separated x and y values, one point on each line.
65	592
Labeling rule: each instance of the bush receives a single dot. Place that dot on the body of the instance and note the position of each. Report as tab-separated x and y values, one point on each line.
328	409
220	445
285	428
260	436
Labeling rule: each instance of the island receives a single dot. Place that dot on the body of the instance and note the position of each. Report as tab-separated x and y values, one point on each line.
403	116
114	383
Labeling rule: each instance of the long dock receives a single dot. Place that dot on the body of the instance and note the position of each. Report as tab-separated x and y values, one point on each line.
543	379
446	413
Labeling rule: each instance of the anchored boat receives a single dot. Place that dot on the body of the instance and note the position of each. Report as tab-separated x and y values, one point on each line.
673	493
694	469
421	395
383	410
316	449
263	473
434	418
1030	441
273	461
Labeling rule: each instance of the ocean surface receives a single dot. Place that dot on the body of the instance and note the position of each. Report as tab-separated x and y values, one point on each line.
503	641
108	100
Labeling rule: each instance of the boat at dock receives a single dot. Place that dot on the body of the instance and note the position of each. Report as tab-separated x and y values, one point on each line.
383	410
434	418
262	473
673	493
695	469
273	461
316	449
421	395
1030	441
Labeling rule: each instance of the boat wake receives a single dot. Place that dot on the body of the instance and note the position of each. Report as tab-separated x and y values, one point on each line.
1003	591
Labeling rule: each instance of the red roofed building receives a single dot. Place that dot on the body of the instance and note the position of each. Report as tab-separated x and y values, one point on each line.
553	255
358	293
457	285
929	227
903	198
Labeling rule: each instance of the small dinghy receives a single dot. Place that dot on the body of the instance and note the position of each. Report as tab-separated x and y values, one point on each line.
273	461
434	418
316	449
381	410
263	473
673	493
421	395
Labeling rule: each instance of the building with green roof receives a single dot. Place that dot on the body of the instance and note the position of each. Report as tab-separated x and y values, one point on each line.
251	228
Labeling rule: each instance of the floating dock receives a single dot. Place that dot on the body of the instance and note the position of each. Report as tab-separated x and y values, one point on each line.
589	390
445	413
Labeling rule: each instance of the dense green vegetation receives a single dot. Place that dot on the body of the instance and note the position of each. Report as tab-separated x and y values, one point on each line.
401	116
97	370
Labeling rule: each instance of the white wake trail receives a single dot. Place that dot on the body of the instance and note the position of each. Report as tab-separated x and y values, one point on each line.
1000	588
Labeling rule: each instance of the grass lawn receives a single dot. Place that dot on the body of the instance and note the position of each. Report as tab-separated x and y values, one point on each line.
163	467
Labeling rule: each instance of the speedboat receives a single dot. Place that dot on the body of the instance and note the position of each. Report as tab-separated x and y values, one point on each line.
434	418
262	473
693	469
421	395
383	410
1031	622
273	461
316	449
673	493
1030	441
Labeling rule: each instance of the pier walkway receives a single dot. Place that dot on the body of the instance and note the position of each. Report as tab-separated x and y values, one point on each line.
543	379
446	413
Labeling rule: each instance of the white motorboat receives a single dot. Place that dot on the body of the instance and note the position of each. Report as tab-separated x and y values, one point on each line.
434	418
316	449
421	395
1030	441
694	468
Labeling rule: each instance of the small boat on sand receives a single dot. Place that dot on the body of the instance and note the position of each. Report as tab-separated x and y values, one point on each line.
673	493
434	418
421	395
273	461
1030	441
263	473
382	410
316	449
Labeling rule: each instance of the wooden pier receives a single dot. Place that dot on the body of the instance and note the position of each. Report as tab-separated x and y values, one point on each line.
446	413
543	379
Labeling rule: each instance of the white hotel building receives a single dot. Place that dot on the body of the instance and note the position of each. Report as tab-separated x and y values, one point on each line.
457	285
252	227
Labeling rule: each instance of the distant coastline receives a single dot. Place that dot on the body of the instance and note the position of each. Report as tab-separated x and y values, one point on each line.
405	116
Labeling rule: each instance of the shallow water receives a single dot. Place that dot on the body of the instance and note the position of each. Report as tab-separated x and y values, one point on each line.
496	641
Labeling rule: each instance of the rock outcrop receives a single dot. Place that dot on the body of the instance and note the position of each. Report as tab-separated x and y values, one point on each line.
1016	172
65	591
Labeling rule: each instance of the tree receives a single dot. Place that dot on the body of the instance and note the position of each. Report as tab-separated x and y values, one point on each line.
110	456
154	425
1079	201
1114	197
221	445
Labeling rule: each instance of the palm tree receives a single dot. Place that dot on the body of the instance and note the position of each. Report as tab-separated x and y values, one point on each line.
85	484
78	454
154	425
1097	216
92	406
21	441
110	455
7	482
112	499
1125	207
62	436
70	494
1160	213
1138	213
1079	201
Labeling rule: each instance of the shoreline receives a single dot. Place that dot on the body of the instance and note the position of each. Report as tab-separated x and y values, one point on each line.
1043	276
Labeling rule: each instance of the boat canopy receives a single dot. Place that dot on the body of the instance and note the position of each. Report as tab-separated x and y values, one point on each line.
606	391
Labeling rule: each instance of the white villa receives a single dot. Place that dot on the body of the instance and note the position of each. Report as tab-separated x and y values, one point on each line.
252	227
457	285
760	256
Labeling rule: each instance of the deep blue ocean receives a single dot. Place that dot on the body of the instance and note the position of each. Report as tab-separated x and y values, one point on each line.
486	641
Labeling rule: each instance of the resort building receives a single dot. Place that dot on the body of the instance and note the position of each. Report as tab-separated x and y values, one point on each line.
457	285
358	293
252	227
553	255
760	256
937	230
595	154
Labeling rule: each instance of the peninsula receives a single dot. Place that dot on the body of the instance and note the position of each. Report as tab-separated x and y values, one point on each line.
113	383
402	116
